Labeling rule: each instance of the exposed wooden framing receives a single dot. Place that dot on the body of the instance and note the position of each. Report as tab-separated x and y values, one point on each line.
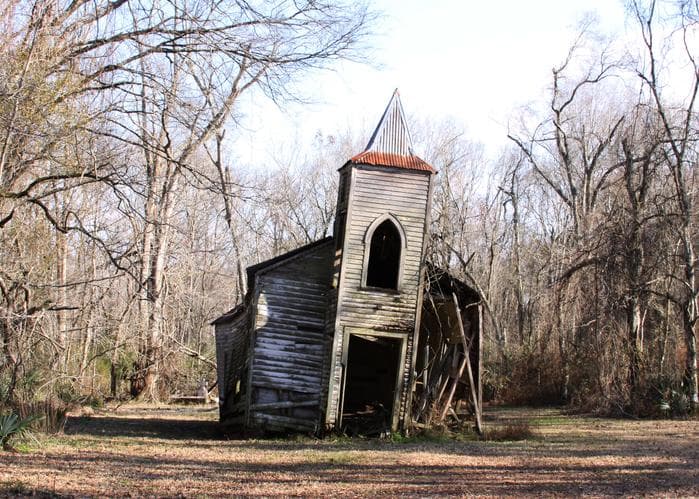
467	357
454	383
479	373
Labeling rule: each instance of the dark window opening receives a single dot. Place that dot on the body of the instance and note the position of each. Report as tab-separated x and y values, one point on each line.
384	257
342	188
370	384
339	230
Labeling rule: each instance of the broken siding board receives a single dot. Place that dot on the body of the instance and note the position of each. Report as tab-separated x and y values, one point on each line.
381	299
286	328
307	298
291	388
290	356
289	404
301	351
277	422
304	360
304	338
303	366
298	295
291	287
289	314
285	380
286	375
290	284
287	354
367	313
310	365
372	311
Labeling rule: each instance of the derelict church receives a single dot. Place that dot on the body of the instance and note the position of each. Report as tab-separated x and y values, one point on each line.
341	332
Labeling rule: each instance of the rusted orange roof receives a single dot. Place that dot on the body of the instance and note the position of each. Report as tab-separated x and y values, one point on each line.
390	144
411	162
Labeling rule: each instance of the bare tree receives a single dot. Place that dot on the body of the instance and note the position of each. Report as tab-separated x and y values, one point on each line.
127	94
679	125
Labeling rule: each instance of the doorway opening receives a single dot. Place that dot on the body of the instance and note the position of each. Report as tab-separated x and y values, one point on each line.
370	384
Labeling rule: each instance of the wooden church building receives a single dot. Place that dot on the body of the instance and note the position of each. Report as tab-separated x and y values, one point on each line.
352	331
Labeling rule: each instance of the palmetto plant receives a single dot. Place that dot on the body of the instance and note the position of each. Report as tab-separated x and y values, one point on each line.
12	426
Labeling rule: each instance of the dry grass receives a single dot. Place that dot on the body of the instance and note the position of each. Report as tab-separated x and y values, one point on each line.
144	451
519	430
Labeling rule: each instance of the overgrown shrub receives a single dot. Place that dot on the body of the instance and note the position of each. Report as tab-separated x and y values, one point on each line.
527	379
661	396
12	427
49	414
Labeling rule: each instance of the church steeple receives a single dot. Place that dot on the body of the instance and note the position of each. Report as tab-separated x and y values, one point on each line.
391	134
391	144
380	230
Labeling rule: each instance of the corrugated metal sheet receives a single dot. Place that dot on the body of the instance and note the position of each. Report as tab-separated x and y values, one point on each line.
390	144
395	160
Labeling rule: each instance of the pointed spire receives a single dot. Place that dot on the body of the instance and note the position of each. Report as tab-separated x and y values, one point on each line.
392	135
390	144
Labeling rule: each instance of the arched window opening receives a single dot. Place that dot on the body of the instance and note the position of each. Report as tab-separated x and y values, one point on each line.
384	257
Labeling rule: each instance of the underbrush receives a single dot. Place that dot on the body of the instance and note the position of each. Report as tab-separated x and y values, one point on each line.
21	420
519	430
13	428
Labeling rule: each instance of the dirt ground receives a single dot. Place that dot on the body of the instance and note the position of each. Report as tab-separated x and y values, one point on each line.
149	451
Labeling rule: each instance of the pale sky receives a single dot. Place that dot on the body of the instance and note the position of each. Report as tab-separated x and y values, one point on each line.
472	62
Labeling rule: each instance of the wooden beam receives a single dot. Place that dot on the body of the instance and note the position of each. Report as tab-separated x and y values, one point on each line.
454	384
467	355
479	367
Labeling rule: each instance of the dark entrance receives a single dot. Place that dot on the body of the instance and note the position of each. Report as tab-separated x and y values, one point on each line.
370	384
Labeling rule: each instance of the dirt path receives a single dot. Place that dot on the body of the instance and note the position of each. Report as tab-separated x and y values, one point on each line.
157	452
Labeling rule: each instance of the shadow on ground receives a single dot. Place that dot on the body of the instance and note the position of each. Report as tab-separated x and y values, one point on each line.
171	429
168	452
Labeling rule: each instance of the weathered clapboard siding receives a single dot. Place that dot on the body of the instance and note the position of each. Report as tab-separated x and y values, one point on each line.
375	192
290	341
232	339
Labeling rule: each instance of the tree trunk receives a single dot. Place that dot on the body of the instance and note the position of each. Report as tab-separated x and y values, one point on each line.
689	312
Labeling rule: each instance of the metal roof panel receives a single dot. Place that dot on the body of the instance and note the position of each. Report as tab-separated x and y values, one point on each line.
393	160
391	144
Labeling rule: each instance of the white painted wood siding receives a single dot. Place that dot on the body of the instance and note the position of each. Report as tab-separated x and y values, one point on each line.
374	192
290	344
